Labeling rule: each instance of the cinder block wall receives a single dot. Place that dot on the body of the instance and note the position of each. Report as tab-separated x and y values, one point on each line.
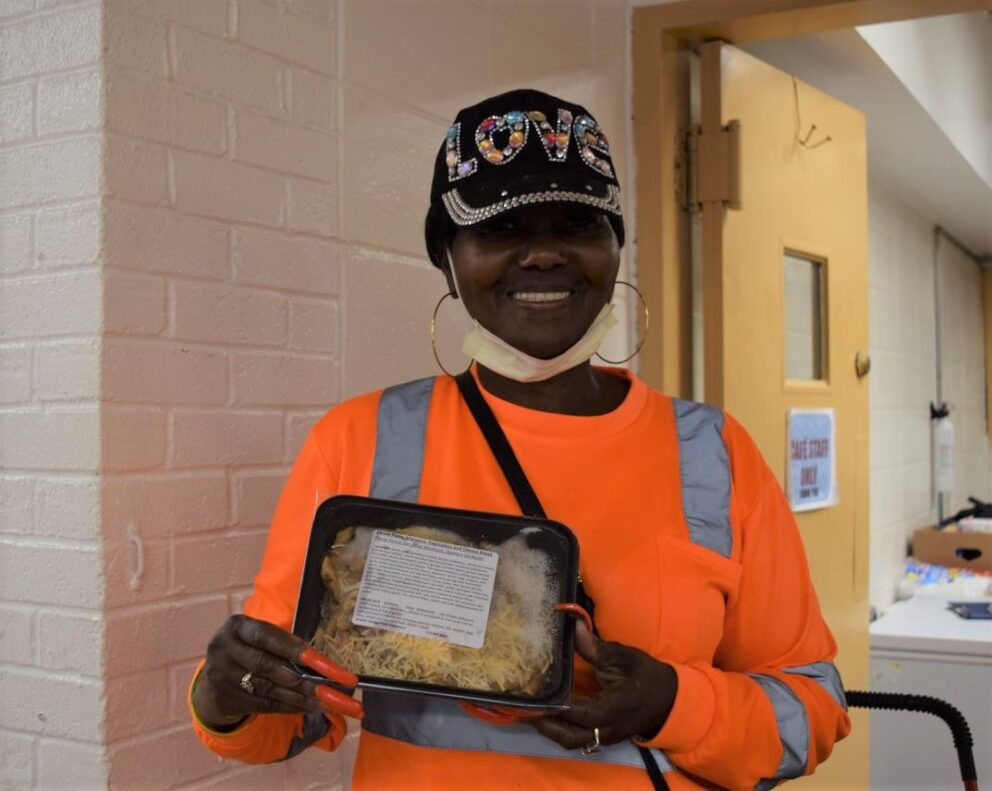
51	315
210	232
903	380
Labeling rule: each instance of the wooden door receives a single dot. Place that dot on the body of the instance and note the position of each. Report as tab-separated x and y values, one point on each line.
796	245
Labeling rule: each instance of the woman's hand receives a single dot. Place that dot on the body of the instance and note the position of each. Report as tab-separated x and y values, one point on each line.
245	645
637	693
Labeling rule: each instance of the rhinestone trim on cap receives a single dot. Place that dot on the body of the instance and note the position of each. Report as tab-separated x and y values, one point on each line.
463	214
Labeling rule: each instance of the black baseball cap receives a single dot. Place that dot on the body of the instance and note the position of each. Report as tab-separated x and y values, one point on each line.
521	148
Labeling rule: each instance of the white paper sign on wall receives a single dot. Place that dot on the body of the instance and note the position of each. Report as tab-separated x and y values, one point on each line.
812	453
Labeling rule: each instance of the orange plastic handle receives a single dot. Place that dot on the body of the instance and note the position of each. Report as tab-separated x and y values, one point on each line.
577	610
328	669
500	715
492	716
520	714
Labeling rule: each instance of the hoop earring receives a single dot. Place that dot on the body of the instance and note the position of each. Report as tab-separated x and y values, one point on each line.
644	337
437	357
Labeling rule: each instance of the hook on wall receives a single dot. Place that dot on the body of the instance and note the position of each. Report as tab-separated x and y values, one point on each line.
804	141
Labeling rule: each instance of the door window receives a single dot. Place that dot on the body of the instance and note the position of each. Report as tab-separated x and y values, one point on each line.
805	318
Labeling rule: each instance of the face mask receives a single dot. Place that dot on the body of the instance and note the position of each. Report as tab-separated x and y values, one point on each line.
497	355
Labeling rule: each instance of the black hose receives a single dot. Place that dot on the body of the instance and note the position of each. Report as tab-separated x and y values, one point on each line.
897	701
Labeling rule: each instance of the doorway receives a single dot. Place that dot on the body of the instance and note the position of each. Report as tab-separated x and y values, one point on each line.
788	332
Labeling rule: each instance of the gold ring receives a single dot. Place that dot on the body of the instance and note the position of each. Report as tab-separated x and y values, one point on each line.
248	687
595	745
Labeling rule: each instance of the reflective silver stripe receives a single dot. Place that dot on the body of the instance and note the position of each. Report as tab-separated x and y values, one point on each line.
793	730
401	430
435	722
705	473
315	726
825	674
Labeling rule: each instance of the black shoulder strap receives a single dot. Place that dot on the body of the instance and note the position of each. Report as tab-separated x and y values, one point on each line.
527	498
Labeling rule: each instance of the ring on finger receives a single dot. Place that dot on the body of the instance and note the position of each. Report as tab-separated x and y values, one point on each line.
246	684
595	745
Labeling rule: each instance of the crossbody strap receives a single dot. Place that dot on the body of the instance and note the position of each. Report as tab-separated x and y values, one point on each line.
500	446
530	505
527	498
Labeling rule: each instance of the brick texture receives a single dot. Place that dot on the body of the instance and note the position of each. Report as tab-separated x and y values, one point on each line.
51	317
68	237
220	330
67	765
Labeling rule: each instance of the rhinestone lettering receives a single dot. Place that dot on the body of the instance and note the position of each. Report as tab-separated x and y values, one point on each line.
457	169
513	125
590	139
555	141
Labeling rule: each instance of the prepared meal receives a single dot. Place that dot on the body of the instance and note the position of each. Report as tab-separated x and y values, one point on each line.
519	635
441	601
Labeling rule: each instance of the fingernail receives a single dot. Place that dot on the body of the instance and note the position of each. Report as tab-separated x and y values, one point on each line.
339	702
328	669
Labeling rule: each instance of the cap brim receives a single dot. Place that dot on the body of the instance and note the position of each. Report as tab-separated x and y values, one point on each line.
471	205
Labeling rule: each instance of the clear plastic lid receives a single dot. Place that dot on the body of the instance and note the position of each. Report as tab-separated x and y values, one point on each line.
441	601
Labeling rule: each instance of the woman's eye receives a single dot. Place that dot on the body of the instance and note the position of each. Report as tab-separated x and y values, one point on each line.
581	223
499	228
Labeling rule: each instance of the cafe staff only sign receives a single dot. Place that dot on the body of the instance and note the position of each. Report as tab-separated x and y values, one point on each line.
812	459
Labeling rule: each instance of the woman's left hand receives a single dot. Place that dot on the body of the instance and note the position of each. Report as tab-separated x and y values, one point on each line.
636	695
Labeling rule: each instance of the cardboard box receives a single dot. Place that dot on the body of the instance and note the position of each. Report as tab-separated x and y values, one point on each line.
962	550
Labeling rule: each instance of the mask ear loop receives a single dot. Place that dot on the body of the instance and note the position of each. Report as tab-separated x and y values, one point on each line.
644	337
454	276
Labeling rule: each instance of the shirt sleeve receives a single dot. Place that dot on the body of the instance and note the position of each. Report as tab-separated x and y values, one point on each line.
771	705
264	738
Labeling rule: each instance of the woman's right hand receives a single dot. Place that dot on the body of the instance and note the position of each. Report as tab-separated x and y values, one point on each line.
246	645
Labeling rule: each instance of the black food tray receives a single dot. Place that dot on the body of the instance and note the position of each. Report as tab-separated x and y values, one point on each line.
554	538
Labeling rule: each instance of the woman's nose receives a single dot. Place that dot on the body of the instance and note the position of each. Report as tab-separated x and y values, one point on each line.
541	254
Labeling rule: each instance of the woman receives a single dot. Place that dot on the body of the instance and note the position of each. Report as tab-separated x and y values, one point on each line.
714	656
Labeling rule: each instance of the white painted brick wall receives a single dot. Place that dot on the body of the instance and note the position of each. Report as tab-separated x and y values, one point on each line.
51	568
220	332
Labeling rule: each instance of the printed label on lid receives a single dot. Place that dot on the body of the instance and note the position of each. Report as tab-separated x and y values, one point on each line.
426	588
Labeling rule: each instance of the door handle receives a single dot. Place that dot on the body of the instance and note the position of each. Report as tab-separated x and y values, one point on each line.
862	364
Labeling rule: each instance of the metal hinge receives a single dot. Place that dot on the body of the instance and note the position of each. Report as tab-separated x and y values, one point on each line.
707	167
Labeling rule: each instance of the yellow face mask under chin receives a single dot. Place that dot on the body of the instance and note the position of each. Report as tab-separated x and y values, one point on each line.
497	355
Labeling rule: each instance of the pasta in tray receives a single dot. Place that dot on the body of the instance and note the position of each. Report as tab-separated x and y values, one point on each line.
518	648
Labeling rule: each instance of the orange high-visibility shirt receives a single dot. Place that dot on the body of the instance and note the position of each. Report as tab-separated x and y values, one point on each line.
614	480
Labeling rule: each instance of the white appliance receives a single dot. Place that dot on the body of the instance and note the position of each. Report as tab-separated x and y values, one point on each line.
920	647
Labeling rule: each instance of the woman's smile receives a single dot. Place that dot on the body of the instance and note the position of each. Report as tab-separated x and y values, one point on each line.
542	300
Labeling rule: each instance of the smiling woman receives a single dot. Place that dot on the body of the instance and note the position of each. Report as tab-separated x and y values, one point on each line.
710	664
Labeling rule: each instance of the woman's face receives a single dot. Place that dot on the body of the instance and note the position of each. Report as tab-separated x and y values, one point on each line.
537	277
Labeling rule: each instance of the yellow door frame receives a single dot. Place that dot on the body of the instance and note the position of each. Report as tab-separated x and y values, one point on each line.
662	38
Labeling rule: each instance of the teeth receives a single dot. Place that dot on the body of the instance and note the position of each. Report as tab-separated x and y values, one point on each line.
540	296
